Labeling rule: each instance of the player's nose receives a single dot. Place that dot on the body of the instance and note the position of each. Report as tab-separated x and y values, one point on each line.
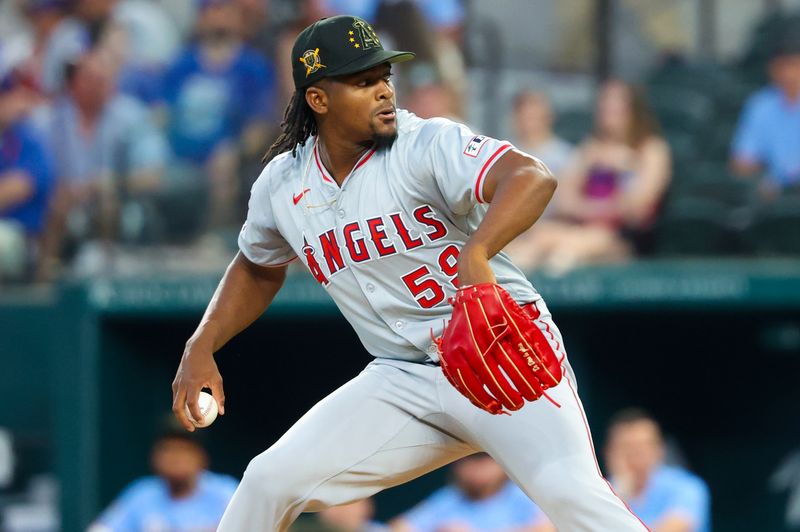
385	90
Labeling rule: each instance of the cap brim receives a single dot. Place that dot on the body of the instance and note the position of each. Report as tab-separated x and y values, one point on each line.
372	60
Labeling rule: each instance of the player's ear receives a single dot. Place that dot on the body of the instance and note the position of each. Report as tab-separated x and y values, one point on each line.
317	99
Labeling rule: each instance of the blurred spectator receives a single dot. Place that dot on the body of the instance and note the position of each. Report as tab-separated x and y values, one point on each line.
667	498
768	135
443	15
255	27
35	509
151	43
260	35
97	17
151	37
622	171
353	517
219	97
433	99
653	30
102	34
481	498
402	26
430	29
182	13
107	151
610	194
26	180
533	125
183	495
307	12
11	22
55	39
61	32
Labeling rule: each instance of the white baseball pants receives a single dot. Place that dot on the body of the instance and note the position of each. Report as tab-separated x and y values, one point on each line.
398	420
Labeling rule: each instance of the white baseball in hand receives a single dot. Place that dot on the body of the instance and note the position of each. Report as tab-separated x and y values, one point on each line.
208	408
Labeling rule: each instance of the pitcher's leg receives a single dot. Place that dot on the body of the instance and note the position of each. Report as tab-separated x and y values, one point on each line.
549	453
362	438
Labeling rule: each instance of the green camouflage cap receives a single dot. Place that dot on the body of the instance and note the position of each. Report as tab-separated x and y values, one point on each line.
337	46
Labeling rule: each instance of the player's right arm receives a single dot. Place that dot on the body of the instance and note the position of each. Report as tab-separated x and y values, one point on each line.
243	294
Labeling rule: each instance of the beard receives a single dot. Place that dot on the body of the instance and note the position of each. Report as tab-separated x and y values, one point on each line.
384	141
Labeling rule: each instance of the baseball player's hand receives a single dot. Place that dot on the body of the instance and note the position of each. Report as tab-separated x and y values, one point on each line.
196	371
473	266
493	352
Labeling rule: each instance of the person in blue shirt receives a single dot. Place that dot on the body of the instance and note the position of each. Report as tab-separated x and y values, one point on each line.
441	14
26	180
219	98
108	157
182	496
666	498
354	517
481	498
768	135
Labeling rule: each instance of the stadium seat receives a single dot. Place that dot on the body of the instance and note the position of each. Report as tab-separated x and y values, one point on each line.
776	229
771	28
680	109
695	226
713	180
683	145
574	125
705	77
715	141
730	98
184	214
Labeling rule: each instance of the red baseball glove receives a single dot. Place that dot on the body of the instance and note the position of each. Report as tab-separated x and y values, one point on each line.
493	352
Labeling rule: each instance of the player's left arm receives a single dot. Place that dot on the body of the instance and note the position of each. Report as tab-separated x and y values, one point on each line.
518	188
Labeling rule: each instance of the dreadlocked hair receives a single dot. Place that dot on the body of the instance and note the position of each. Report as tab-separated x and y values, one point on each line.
298	124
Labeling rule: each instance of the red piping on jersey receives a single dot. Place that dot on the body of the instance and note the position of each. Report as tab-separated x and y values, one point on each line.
321	169
358	165
365	159
486	166
583	414
284	263
591	446
547	329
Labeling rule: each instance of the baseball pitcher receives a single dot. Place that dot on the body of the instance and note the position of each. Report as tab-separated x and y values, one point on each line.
402	221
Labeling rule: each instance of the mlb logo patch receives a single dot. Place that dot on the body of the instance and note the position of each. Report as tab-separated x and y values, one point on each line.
474	145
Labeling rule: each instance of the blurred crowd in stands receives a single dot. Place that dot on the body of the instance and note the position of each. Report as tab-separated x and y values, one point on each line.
183	495
645	467
135	128
141	124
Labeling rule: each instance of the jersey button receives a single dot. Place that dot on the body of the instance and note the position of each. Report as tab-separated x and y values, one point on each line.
341	213
370	287
399	324
432	350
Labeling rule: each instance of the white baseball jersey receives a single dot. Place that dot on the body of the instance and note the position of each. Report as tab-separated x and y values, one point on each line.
385	244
